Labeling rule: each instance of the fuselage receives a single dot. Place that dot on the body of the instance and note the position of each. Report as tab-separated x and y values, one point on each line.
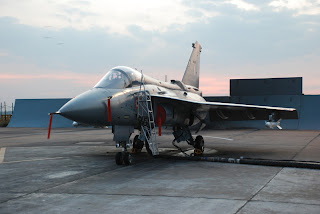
116	93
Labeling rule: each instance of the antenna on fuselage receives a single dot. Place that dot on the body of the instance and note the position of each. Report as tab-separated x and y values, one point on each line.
142	77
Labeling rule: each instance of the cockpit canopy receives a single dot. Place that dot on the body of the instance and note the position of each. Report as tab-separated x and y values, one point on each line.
118	78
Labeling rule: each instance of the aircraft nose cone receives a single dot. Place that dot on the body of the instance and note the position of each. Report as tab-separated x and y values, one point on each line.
88	108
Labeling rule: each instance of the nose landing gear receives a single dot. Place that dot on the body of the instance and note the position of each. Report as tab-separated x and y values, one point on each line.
119	158
123	158
122	137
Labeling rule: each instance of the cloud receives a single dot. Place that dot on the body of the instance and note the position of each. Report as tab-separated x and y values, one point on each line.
3	53
115	16
94	37
31	81
29	72
243	5
301	7
85	80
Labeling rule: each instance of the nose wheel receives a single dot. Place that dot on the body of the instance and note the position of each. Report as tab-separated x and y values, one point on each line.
123	158
119	159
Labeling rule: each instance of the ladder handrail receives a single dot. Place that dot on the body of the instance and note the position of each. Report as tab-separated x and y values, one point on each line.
146	117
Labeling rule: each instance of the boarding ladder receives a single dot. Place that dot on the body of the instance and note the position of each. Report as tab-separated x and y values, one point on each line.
146	118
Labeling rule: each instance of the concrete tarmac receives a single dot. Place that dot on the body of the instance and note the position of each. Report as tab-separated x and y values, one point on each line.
75	172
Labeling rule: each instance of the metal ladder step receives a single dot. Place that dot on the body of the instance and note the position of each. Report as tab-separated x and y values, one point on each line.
145	112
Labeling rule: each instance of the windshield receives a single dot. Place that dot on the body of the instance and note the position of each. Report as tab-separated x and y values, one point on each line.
115	78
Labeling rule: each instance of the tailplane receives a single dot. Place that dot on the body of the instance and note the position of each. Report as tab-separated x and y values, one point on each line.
191	75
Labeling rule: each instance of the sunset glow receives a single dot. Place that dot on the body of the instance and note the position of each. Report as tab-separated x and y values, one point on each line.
61	48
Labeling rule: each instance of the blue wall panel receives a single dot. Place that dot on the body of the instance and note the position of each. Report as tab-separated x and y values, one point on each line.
34	113
310	115
308	107
268	86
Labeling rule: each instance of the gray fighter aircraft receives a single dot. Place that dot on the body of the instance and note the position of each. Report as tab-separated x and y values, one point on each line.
126	100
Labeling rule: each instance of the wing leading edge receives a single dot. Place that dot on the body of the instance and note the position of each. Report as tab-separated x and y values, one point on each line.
232	111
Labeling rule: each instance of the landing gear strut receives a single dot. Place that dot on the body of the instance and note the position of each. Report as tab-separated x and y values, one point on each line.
122	138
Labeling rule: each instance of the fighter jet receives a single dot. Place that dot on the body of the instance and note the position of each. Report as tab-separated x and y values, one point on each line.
126	99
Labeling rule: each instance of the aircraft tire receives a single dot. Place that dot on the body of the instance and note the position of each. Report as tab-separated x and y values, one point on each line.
127	159
199	145
119	159
137	143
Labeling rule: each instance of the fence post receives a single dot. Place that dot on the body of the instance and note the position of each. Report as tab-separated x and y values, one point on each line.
5	112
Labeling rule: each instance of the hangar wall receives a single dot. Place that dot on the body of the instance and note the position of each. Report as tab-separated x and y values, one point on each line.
268	86
310	114
282	92
34	113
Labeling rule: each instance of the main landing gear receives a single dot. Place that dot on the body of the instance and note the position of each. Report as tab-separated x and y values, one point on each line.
184	134
137	145
198	146
123	140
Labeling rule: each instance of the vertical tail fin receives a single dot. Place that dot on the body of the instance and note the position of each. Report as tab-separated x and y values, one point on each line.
191	75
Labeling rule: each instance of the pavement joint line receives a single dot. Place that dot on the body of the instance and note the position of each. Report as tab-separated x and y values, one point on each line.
18	197
143	195
2	153
41	159
24	135
284	202
305	147
220	138
254	195
58	132
150	195
170	196
246	133
49	146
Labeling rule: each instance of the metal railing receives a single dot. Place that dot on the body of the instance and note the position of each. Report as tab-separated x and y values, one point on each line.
146	117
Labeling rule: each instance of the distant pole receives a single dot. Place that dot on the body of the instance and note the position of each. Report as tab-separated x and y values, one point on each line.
166	78
1	109
5	111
